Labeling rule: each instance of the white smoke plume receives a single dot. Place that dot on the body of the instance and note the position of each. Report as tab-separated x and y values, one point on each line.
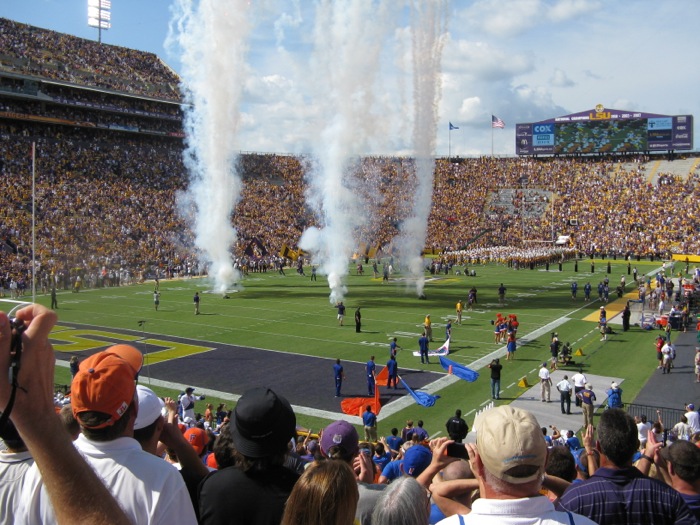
212	36
428	31
346	64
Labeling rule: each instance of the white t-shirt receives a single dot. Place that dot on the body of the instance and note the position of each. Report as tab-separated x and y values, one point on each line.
643	431
148	489
544	373
564	386
579	380
525	511
693	420
13	467
682	430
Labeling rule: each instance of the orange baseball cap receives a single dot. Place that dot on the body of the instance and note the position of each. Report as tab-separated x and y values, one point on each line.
211	462
105	383
198	438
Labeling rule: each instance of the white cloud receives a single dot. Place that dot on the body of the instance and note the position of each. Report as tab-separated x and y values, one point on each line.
471	110
571	9
484	61
560	79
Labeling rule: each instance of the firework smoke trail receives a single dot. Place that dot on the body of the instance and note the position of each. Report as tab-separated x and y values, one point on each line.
212	36
348	43
428	26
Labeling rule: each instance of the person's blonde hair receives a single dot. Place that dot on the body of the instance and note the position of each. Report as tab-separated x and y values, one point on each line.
326	494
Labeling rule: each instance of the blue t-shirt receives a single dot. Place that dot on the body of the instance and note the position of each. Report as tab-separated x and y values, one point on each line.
573	443
423	344
338	371
392	348
383	460
392	470
369	419
392	366
421	433
436	514
394	442
371	367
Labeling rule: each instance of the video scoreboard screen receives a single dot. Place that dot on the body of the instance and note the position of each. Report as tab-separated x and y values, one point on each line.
605	131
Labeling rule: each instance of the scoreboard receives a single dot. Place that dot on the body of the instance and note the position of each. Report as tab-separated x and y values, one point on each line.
602	130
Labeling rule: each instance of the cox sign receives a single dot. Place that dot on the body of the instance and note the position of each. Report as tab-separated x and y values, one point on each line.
543	134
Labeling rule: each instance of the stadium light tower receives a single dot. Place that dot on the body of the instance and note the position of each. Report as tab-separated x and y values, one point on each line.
99	16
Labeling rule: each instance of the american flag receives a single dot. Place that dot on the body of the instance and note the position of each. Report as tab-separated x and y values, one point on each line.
497	122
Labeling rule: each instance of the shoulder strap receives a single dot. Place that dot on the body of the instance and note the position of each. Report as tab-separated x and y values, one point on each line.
571	518
461	519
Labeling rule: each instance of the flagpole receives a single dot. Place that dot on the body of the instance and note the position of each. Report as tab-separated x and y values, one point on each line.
33	222
492	139
449	144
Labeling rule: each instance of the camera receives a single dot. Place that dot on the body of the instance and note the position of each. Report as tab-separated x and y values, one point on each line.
457	450
17	326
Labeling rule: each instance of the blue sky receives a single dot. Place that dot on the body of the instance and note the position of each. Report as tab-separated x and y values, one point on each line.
522	60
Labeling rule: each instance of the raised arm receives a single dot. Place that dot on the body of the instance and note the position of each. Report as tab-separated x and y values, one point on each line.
78	496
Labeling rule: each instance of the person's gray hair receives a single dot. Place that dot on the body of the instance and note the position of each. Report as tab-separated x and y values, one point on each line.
403	502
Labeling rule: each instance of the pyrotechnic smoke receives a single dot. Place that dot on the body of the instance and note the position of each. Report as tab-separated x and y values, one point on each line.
213	39
428	31
348	40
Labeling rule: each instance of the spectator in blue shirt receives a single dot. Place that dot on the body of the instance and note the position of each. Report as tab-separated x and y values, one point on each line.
419	432
394	441
572	442
381	456
614	396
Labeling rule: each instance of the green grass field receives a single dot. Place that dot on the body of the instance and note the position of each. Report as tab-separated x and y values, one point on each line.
292	314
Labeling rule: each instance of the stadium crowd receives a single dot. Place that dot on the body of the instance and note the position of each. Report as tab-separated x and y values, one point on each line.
109	199
42	53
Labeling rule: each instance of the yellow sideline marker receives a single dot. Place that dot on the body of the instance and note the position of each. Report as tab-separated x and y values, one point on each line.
523	382
613	308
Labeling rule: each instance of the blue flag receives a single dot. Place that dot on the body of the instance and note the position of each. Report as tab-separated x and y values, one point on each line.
460	371
422	398
452	127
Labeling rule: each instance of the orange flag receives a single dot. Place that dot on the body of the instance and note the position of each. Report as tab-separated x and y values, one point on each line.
382	378
355	406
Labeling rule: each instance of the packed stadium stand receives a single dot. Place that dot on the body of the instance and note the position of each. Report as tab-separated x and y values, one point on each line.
107	124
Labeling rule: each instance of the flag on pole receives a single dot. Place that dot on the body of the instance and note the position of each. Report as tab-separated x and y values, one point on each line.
460	371
452	127
497	122
422	398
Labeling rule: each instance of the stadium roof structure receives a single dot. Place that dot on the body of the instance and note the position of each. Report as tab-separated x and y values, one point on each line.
605	131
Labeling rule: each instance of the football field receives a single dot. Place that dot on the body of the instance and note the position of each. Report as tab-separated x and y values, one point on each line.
281	331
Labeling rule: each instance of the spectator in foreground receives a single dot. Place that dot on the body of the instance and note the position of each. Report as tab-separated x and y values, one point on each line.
14	464
340	442
255	488
105	403
404	502
77	492
618	493
325	493
415	460
509	462
680	467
